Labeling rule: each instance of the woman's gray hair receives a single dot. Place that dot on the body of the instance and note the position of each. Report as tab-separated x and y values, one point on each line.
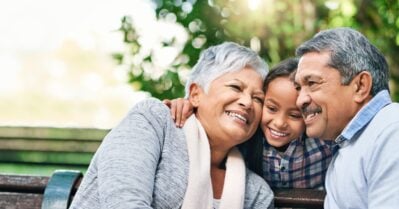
221	59
350	53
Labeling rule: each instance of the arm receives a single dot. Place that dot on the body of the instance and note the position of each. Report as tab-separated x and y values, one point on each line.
180	110
128	158
258	193
383	172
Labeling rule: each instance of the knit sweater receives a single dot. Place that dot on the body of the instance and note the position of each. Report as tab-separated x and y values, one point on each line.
143	163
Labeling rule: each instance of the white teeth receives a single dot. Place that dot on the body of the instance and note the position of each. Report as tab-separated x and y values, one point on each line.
311	115
278	133
238	116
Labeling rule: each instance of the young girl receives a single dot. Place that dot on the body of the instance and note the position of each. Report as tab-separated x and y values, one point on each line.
290	159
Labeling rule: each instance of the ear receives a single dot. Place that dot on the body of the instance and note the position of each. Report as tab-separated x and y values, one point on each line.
195	94
362	86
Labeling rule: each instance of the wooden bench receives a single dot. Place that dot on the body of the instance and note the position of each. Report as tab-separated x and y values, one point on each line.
73	148
57	191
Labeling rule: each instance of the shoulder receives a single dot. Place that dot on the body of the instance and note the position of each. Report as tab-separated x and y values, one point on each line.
386	124
258	193
151	106
149	116
386	121
389	113
151	109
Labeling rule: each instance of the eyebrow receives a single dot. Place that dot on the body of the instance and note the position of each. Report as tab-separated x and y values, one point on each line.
236	79
271	100
260	92
309	77
246	85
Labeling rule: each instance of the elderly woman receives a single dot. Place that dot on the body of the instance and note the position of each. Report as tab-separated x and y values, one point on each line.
146	162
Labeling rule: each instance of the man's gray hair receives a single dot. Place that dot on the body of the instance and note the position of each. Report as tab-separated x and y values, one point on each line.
350	53
221	59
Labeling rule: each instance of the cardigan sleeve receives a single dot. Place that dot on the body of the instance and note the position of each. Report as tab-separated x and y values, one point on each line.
258	194
128	157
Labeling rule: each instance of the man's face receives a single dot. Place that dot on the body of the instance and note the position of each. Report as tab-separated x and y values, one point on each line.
327	106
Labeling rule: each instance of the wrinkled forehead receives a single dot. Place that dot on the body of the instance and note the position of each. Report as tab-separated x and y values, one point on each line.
312	65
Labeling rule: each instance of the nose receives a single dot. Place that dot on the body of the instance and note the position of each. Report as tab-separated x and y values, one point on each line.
303	99
280	121
245	101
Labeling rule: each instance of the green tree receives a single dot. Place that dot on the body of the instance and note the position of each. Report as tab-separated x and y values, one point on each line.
273	28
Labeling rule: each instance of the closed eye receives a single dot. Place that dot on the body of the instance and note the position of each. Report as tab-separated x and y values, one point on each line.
296	115
297	86
271	109
311	83
234	87
259	100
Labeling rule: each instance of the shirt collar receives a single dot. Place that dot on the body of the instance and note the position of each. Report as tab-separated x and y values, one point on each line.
364	116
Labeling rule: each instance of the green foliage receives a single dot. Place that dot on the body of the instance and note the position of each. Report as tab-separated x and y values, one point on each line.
166	85
273	28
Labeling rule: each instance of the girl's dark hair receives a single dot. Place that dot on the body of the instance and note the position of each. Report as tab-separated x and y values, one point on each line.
252	149
286	68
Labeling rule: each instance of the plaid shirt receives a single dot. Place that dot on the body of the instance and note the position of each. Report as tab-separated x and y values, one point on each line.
302	165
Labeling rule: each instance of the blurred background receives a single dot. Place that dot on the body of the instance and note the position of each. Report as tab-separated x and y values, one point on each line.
70	70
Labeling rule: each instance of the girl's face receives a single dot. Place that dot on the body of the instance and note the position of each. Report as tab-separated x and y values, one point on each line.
282	121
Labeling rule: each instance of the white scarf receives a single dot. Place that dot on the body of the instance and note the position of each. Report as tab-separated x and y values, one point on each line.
199	194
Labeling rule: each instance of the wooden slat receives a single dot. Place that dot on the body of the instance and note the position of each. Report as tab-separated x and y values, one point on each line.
30	138
54	133
37	157
46	145
9	200
23	183
299	198
24	192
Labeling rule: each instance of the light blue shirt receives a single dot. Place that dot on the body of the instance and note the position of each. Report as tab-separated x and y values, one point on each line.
364	173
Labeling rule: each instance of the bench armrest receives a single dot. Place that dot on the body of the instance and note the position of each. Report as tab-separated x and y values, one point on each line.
58	192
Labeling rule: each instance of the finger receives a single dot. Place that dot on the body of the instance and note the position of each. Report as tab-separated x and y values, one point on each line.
179	110
166	102
173	109
186	112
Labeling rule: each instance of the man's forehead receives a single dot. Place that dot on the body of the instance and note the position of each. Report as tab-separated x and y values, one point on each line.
303	74
310	68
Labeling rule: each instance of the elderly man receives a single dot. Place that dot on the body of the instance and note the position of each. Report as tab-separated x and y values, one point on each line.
342	81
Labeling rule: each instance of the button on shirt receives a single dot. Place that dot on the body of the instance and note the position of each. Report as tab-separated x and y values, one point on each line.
364	172
302	165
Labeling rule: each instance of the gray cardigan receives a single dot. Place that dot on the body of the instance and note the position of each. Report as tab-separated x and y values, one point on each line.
143	163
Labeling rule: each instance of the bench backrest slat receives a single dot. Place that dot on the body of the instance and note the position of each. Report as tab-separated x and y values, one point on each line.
11	200
23	183
49	145
55	133
67	148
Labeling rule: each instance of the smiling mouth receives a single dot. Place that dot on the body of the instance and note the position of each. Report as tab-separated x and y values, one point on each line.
277	133
309	113
237	116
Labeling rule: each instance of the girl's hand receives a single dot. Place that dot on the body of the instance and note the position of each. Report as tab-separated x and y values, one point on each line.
180	110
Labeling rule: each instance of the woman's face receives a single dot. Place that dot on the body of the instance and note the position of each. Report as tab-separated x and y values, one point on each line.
282	121
231	109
